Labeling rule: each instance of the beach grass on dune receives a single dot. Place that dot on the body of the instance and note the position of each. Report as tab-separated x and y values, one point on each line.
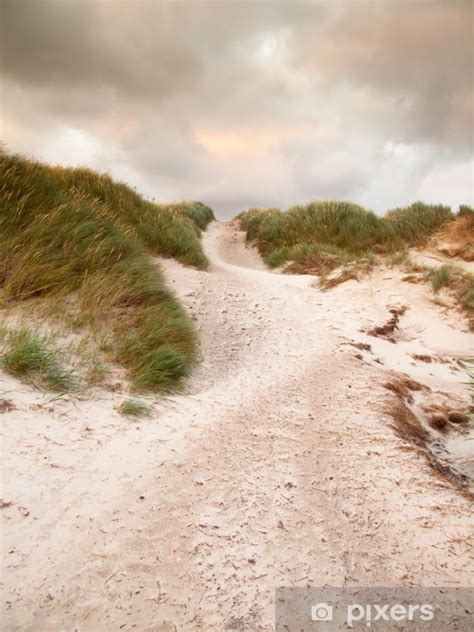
29	355
134	408
335	226
66	231
460	284
440	277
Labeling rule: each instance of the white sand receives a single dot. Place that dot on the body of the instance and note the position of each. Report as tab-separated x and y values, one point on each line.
276	467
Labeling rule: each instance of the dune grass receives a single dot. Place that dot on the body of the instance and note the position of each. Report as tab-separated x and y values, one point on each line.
66	231
198	212
459	283
342	227
440	277
321	237
29	356
416	223
462	285
96	373
309	258
134	408
169	230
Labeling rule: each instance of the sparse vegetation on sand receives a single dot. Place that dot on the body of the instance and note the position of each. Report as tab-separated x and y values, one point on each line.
29	356
412	430
460	284
74	232
322	235
134	408
456	238
440	277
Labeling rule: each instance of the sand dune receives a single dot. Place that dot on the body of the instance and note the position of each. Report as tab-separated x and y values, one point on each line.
278	465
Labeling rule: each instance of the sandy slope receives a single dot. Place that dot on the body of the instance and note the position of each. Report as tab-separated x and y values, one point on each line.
432	259
276	467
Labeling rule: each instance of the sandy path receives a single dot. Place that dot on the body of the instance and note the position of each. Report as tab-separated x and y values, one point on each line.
276	467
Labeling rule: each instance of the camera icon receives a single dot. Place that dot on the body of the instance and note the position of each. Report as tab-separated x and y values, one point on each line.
321	612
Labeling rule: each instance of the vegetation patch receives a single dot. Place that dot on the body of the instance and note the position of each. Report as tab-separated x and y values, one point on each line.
339	241
134	408
386	330
327	234
456	238
198	212
459	283
29	356
316	259
440	277
96	372
355	270
403	386
410	429
415	223
463	288
73	231
6	405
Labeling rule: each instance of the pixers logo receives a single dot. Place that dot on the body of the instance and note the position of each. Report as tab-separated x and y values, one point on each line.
366	614
370	613
321	612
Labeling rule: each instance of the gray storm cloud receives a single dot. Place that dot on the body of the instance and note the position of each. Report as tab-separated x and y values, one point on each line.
244	104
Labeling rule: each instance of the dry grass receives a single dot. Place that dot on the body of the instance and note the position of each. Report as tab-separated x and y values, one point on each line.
438	421
422	357
354	271
386	330
311	259
406	423
410	429
6	405
403	386
363	346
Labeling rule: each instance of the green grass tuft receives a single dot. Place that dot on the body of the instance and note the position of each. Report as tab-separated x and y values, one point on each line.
278	257
440	277
96	373
134	408
28	356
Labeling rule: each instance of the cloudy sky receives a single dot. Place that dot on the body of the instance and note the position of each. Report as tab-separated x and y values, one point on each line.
244	104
